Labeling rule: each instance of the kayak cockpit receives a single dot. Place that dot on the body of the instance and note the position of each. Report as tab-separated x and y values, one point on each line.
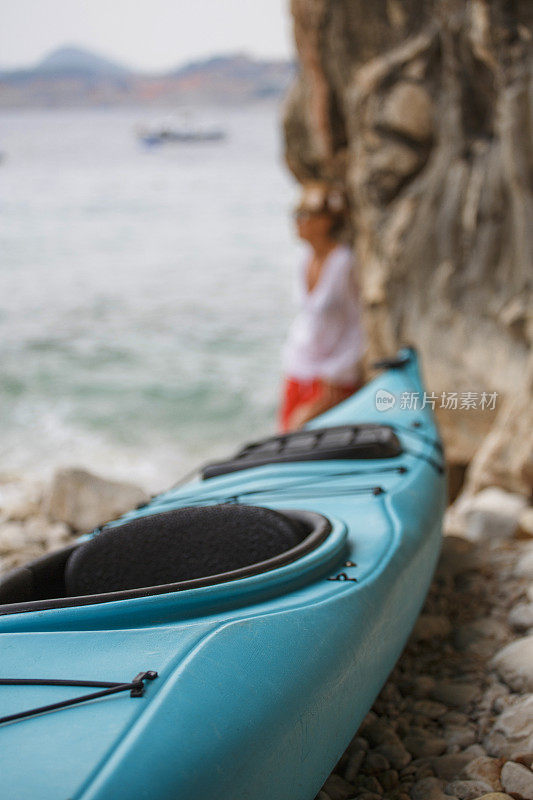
184	548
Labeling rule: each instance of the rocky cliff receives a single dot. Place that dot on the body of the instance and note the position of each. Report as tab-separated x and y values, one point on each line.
423	109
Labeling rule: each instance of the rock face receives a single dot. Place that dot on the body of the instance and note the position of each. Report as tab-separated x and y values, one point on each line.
422	110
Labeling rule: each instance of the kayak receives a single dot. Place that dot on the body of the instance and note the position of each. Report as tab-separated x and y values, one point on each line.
227	639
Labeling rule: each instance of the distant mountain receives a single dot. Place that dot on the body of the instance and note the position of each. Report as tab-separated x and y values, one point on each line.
74	76
71	60
234	74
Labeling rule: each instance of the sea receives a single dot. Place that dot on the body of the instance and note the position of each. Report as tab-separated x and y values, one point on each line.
145	293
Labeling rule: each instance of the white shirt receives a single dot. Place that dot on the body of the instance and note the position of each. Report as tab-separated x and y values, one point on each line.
326	340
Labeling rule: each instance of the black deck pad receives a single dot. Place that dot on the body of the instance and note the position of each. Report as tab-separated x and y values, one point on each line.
318	444
179	545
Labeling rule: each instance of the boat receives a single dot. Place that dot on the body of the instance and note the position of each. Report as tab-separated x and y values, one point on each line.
165	135
226	639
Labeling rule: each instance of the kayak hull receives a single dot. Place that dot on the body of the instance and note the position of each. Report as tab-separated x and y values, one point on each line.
263	681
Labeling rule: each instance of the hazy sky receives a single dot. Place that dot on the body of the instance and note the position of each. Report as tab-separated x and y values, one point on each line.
149	34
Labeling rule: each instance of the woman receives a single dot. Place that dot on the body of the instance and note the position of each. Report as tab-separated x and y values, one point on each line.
322	357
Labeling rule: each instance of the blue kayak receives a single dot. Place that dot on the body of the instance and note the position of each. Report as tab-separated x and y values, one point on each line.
226	640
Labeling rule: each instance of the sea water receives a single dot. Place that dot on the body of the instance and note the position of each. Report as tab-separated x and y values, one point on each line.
144	292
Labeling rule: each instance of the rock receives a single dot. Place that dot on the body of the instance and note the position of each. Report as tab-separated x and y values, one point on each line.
23	541
495	796
16	559
418	685
85	501
395	753
431	626
384	740
485	769
512	732
12	537
517	780
374	729
429	789
337	788
369	783
524	566
364	795
449	766
50	534
460	737
481	636
429	708
353	765
357	745
389	779
526	759
521	616
454	719
455	693
20	499
458	555
492	514
408	111
514	664
421	744
475	751
467	790
374	763
525	524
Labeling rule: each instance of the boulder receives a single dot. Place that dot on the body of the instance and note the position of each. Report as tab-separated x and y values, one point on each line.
84	501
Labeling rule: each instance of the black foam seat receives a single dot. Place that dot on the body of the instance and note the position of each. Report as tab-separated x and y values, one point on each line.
179	545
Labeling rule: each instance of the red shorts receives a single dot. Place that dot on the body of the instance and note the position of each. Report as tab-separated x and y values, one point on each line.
296	393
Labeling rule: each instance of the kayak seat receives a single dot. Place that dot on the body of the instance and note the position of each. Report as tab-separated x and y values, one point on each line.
170	551
363	441
179	545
